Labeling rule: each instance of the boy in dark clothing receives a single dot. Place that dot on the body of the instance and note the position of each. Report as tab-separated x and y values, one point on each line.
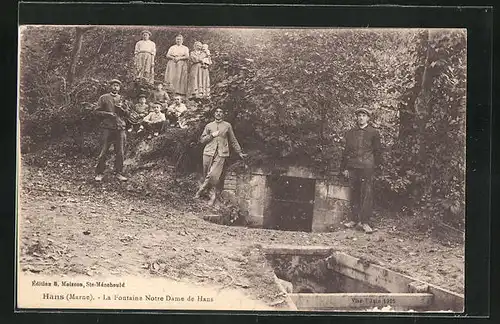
155	120
362	155
159	96
110	108
141	110
175	113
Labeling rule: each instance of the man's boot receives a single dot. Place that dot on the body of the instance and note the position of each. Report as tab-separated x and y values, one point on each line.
213	197
121	177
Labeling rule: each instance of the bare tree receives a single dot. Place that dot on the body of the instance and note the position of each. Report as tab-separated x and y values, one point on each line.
75	55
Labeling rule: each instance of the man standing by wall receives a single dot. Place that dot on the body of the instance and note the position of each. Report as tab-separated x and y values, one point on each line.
217	136
362	155
110	108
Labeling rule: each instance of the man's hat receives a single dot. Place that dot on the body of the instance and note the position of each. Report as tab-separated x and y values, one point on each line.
366	111
115	81
142	95
146	32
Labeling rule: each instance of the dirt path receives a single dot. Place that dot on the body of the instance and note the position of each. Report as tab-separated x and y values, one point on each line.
71	226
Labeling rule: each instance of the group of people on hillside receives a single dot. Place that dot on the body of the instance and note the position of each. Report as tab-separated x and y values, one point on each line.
218	135
154	111
361	157
187	72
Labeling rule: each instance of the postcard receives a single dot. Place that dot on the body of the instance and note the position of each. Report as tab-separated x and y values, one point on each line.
230	168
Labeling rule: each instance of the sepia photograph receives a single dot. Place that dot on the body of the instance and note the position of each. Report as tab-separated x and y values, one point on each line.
241	168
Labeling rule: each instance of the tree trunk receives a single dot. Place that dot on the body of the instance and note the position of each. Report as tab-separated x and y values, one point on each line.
425	106
423	99
78	133
424	102
409	132
75	55
415	140
408	111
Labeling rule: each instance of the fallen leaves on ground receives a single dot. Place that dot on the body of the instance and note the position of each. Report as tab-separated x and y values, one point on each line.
107	229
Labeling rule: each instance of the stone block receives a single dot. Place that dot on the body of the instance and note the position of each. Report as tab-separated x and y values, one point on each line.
229	195
243	205
254	220
217	219
321	190
418	287
256	207
300	172
337	192
325	219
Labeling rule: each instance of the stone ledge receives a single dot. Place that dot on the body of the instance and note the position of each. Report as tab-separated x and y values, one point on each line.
348	300
298	250
393	281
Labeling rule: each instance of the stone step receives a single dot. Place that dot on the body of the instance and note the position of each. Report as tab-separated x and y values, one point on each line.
298	250
311	301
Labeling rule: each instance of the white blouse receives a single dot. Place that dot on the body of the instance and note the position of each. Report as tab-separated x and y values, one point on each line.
145	46
178	50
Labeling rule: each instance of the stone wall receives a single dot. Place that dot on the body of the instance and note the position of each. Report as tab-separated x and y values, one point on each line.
310	274
253	195
331	204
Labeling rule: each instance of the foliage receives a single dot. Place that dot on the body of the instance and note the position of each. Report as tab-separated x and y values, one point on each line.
289	94
425	168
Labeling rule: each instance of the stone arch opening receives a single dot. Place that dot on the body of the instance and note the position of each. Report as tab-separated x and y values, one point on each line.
291	204
293	199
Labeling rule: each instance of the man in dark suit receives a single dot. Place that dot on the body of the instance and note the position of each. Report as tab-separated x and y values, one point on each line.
361	157
110	108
